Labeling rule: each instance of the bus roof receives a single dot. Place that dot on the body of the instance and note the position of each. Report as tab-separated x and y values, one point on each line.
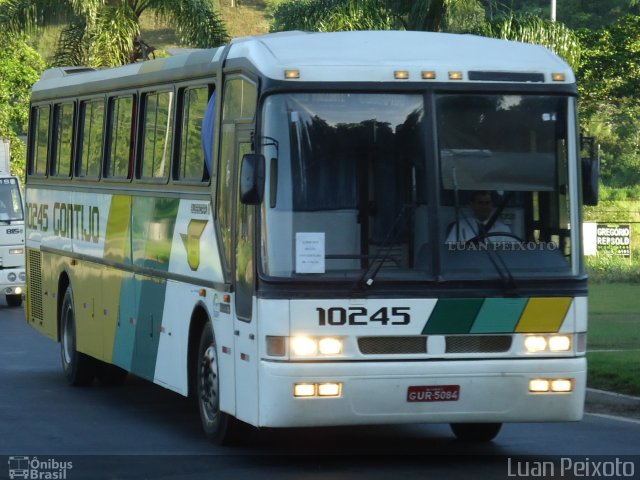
357	56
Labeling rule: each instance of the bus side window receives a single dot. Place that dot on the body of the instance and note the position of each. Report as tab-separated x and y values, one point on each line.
40	131
120	138
191	165
157	134
63	140
90	138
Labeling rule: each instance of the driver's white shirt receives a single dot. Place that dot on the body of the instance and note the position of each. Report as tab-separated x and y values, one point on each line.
469	229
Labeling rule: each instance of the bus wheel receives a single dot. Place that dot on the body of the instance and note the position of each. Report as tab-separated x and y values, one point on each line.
78	367
221	428
14	300
476	432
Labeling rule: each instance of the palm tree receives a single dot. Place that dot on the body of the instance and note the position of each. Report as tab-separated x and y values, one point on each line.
101	33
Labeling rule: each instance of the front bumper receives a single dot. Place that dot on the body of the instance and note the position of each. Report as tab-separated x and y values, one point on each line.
376	392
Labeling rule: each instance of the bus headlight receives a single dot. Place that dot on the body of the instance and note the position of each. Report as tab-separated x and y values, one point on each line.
22	276
309	346
560	343
535	344
547	343
11	277
304	346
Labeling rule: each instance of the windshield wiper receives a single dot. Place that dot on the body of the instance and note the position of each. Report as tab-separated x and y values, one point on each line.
383	252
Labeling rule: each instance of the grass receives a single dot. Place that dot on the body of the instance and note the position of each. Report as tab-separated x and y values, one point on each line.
614	337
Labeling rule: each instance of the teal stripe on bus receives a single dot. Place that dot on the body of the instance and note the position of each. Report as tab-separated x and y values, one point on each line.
126	327
499	315
150	307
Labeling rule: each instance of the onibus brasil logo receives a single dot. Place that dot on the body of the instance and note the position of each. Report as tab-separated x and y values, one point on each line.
38	469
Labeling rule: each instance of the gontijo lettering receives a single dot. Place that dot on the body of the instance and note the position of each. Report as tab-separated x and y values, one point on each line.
69	220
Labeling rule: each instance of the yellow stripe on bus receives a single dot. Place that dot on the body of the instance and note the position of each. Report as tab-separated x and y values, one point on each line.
543	315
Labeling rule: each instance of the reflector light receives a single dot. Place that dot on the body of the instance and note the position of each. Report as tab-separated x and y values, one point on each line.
304	390
276	346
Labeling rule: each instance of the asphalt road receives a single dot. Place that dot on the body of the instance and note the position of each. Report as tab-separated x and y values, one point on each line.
140	430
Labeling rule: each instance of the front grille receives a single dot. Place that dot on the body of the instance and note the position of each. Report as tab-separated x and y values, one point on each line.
478	343
34	273
390	345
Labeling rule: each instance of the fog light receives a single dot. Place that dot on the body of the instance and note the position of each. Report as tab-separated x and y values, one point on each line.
330	346
329	389
304	390
561	385
560	343
535	344
539	385
304	346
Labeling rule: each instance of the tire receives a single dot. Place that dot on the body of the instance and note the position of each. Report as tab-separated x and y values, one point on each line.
14	300
79	368
110	375
476	432
219	427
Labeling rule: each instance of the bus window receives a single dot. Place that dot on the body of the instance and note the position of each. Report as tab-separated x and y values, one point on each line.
191	166
63	136
90	139
41	143
120	137
239	100
158	123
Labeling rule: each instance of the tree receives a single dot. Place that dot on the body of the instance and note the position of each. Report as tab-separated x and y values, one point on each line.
20	68
102	33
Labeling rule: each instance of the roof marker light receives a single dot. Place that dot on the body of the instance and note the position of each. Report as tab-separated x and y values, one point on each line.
292	74
401	74
428	75
558	77
455	75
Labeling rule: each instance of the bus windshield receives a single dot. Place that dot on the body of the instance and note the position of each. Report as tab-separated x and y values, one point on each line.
349	188
10	200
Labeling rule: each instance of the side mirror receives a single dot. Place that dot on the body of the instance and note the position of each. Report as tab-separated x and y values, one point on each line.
252	179
590	173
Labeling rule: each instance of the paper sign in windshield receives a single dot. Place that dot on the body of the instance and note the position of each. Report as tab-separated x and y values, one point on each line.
310	252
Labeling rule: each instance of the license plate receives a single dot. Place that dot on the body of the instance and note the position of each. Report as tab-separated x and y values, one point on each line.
433	393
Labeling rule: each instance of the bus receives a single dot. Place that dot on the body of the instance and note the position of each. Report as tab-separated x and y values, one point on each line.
262	226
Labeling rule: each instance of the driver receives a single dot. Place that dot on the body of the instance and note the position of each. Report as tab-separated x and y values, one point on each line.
476	225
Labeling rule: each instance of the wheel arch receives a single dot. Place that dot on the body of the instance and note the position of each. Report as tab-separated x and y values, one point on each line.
63	284
199	318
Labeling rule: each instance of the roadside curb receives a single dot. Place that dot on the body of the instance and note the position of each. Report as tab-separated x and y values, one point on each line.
612	399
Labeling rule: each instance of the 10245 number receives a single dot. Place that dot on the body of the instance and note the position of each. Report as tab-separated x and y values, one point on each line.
360	316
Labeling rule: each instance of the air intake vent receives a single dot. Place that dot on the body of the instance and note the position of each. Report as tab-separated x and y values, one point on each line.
34	273
506	77
391	345
478	343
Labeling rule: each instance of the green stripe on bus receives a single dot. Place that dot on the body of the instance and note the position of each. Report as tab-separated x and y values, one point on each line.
499	315
117	246
153	222
451	316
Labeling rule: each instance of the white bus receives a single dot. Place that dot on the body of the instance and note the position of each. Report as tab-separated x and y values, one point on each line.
263	226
